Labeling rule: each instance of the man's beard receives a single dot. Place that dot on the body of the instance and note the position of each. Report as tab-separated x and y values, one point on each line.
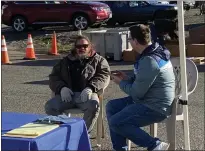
82	56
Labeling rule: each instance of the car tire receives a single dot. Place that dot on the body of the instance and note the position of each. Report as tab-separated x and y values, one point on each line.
80	22
121	23
111	22
19	24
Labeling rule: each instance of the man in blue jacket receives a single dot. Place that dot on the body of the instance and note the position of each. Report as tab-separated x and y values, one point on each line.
151	91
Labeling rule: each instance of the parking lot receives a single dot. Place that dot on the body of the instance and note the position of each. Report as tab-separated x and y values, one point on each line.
25	86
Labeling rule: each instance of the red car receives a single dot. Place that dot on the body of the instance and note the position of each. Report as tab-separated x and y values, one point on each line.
37	14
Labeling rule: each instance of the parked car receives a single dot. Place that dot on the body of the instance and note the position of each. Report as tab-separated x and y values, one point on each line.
37	14
134	11
187	4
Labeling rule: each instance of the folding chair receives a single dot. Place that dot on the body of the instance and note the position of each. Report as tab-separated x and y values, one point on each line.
100	125
177	105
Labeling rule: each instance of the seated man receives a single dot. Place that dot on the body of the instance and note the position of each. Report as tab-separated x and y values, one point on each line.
151	92
76	81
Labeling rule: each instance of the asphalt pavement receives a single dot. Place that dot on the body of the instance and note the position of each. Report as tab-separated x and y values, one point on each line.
25	89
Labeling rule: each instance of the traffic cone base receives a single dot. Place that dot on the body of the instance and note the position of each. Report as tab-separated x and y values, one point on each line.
5	58
29	58
54	54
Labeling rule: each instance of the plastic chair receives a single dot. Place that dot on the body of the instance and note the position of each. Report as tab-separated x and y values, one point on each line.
177	105
100	125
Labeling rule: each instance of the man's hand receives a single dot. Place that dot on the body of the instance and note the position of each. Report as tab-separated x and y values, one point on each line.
66	94
119	76
116	78
86	94
122	75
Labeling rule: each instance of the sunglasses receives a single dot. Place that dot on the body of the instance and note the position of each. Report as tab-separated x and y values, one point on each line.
82	46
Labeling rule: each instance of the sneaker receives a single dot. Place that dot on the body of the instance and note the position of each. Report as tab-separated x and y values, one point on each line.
125	148
162	146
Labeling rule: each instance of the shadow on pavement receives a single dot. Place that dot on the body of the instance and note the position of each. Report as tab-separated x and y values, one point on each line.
49	63
53	61
43	82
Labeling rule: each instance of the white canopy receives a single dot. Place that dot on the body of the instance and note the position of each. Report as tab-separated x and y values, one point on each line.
183	68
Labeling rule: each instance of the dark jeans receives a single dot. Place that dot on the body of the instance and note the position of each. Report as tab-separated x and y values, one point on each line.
125	119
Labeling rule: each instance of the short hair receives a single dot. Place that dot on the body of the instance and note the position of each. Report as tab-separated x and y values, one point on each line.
80	37
141	33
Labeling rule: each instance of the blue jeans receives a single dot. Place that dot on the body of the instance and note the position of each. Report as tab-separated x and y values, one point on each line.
125	119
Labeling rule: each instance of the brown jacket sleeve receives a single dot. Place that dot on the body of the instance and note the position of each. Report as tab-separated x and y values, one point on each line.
101	77
55	81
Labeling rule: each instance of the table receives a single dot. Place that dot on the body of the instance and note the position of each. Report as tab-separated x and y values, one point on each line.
70	136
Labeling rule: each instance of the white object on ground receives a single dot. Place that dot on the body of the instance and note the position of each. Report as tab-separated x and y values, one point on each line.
162	146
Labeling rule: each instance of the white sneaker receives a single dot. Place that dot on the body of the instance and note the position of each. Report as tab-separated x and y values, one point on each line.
162	146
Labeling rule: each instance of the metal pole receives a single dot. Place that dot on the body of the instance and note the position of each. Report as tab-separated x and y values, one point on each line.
183	72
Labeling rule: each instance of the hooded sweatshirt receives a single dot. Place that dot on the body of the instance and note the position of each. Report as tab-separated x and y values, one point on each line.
153	81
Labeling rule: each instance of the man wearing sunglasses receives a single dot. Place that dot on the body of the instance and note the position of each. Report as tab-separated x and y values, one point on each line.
76	81
151	91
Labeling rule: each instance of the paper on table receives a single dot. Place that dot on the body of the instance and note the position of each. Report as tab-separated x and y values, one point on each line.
31	130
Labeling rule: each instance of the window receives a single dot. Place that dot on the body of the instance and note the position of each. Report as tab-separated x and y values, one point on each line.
133	4
120	4
137	3
30	2
55	2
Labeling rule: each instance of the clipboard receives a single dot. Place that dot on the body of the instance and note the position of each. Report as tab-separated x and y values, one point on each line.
31	130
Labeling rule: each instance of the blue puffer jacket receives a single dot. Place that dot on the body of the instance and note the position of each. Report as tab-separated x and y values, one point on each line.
153	81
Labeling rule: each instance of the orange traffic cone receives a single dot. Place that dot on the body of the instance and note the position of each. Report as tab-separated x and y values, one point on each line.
54	50
4	52
30	53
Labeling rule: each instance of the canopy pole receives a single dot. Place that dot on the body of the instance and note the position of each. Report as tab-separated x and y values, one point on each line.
183	72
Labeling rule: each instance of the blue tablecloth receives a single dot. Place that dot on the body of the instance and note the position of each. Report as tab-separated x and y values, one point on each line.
70	136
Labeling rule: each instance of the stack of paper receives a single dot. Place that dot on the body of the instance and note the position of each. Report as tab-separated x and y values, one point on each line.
31	130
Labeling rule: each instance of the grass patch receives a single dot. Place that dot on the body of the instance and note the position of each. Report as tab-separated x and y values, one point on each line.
45	42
